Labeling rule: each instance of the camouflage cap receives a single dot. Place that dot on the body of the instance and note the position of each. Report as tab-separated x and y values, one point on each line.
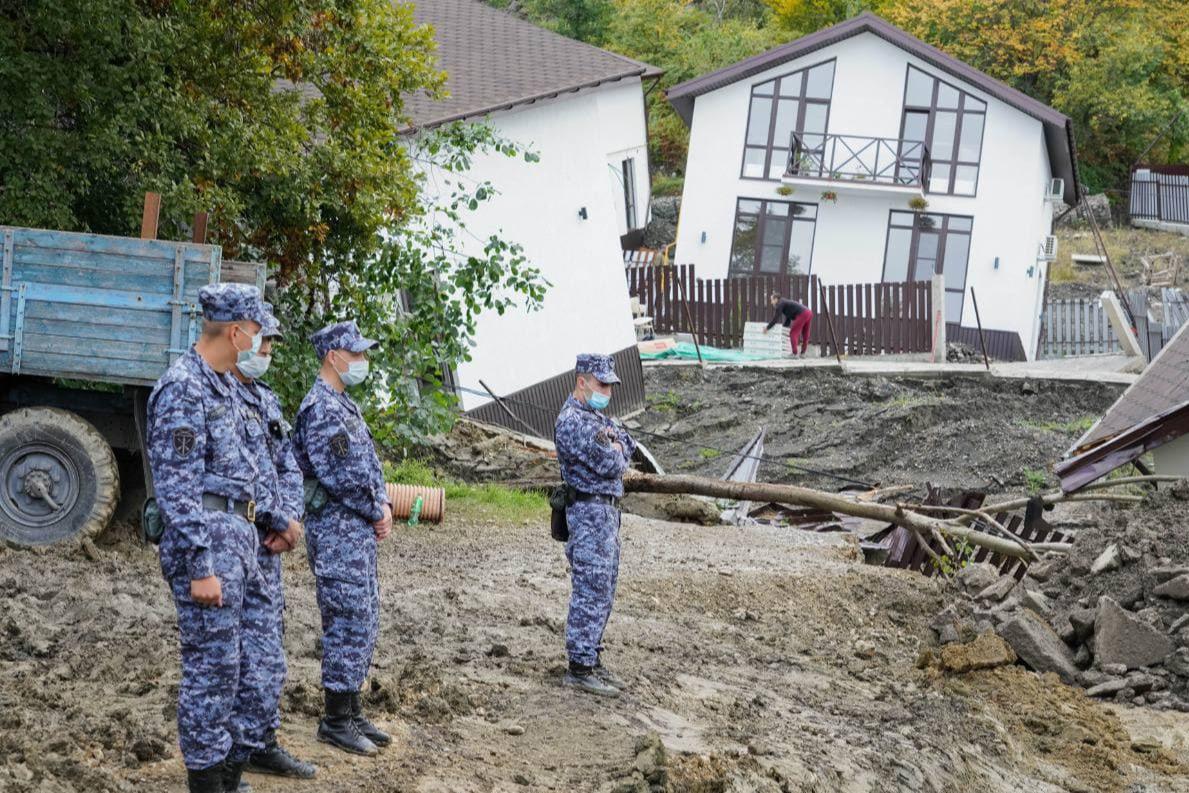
601	366
340	336
231	303
271	325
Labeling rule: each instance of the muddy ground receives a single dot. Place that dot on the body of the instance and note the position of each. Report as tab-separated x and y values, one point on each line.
967	432
765	659
760	660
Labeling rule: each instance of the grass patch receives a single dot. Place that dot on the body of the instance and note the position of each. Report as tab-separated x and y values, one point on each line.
486	500
1076	426
1036	479
664	401
666	185
709	454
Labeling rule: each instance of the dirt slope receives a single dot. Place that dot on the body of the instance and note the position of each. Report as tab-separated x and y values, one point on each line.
969	432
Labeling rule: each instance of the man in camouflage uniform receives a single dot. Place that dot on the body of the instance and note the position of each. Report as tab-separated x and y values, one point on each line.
347	512
593	452
204	477
279	510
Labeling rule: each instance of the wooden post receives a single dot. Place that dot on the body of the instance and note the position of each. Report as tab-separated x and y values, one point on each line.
199	232
148	220
693	330
829	324
981	338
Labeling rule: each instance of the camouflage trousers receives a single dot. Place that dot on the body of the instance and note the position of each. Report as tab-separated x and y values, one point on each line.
262	661
210	638
350	622
593	553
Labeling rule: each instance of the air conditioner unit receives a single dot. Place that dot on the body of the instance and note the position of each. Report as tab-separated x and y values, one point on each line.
1048	249
1056	189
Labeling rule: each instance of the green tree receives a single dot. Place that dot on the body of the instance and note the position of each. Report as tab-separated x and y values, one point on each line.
806	16
282	119
420	294
585	20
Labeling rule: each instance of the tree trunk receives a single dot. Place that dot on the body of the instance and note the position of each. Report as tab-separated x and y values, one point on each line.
806	497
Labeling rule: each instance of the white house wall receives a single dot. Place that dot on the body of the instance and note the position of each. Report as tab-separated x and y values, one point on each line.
586	309
1010	215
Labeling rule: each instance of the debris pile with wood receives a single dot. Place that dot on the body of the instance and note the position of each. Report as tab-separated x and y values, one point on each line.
1111	616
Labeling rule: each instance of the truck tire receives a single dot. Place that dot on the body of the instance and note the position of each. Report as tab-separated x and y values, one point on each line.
58	477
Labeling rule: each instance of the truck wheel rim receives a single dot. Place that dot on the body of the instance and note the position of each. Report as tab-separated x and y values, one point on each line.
40	485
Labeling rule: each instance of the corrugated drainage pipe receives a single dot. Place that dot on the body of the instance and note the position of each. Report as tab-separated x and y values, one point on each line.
404	500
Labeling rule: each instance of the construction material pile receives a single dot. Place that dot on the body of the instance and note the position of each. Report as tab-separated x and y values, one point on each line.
1112	616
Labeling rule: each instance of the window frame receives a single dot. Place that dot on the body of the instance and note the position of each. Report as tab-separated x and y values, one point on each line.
931	112
628	169
943	232
760	222
798	126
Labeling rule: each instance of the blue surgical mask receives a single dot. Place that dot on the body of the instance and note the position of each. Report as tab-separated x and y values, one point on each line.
243	356
356	373
255	366
598	401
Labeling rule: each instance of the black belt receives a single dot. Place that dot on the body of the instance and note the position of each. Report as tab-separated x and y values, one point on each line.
217	503
611	501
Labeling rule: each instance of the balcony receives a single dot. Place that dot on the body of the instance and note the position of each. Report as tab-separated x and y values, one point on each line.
857	164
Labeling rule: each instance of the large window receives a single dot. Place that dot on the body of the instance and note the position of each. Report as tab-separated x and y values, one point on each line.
797	102
629	191
922	245
772	237
950	122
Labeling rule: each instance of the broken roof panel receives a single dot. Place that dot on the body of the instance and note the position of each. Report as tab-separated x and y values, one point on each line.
495	60
1163	386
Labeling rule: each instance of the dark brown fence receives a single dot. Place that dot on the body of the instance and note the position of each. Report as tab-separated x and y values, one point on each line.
868	319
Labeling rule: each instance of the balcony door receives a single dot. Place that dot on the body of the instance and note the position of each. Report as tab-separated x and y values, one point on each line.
772	238
950	121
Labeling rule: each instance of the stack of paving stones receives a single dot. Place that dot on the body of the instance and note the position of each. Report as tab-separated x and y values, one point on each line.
1111	617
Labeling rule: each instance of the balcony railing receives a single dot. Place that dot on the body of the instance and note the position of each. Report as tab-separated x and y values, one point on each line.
857	158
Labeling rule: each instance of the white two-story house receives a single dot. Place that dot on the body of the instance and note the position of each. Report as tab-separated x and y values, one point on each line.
859	154
580	109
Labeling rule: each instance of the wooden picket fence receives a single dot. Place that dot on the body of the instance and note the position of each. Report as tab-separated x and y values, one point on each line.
868	319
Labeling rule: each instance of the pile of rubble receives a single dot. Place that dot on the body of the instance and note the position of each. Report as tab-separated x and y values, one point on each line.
957	352
1112	616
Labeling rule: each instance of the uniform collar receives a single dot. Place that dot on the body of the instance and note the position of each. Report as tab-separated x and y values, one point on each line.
330	392
579	404
218	381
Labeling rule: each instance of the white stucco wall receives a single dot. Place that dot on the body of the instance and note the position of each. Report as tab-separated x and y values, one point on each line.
586	309
1173	458
1009	211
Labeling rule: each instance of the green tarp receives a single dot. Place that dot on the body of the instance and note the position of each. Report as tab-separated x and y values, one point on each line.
685	350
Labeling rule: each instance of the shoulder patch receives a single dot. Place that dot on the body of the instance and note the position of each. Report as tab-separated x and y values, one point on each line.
340	445
184	441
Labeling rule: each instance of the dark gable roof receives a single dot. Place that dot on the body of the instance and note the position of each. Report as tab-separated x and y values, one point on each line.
1057	127
494	61
1163	385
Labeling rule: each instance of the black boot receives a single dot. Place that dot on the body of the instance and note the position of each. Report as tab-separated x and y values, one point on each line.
370	731
337	727
231	778
207	780
584	678
272	759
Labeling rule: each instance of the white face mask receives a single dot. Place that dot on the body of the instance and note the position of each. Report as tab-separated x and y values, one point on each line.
255	366
242	356
356	373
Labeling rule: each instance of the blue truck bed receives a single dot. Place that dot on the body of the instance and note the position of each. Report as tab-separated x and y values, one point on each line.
99	308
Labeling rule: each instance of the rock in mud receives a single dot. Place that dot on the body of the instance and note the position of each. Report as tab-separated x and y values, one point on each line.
985	652
1083	622
1174	588
1107	560
1123	638
977	577
679	508
1038	646
998	590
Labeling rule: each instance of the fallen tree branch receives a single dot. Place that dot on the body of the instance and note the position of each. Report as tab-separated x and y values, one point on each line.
1058	498
807	497
981	514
